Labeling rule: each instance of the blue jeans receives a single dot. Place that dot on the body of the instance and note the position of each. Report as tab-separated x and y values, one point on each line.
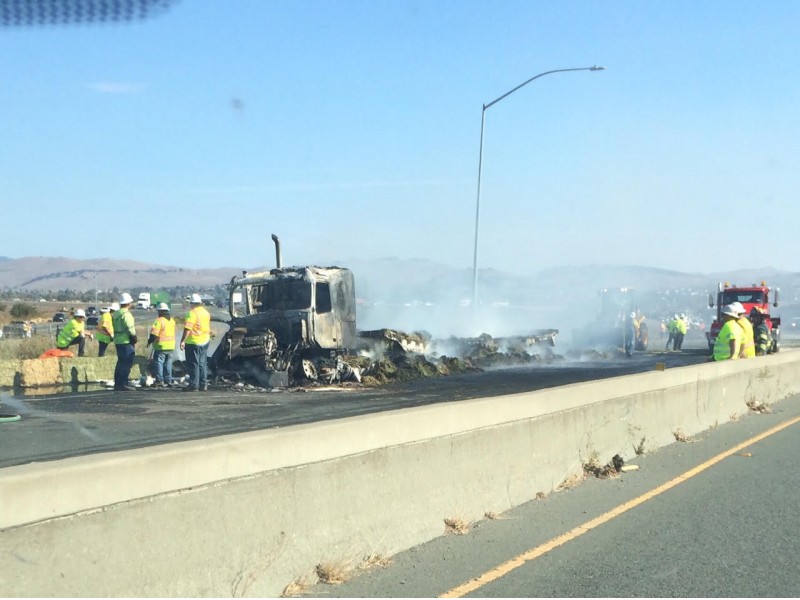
122	372
197	365
162	366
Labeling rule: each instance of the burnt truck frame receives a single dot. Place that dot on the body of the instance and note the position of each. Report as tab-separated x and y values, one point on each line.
286	319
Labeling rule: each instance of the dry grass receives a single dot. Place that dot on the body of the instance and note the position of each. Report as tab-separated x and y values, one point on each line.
571	481
457	525
680	436
27	348
759	407
297	587
541	495
374	560
734	416
640	449
493	516
333	573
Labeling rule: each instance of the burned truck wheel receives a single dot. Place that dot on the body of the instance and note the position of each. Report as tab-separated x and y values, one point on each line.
308	370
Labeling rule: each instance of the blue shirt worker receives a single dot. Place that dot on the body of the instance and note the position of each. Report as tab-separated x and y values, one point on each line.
125	343
162	338
195	340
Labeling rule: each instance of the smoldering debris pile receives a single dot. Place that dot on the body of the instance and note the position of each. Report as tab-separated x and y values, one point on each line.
399	356
387	355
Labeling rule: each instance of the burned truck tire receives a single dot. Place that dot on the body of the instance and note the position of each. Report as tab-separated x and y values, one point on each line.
308	370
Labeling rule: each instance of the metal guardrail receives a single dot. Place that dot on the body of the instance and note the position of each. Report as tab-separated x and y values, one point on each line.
15	331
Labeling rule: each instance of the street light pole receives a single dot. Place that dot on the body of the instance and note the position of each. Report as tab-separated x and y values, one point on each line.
480	169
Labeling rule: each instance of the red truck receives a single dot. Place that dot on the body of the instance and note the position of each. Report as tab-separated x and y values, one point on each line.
754	296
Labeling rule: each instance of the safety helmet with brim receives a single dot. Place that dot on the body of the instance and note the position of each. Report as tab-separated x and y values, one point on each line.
730	310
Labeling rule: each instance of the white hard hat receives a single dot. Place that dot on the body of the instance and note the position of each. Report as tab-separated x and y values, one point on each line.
683	315
739	307
633	315
677	316
125	298
80	313
114	306
103	309
196	299
730	310
163	306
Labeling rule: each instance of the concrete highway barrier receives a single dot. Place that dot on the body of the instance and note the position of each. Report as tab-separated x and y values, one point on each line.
247	514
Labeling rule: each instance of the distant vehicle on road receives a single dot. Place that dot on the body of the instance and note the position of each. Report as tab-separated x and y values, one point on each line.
59	317
144	301
92	322
91	311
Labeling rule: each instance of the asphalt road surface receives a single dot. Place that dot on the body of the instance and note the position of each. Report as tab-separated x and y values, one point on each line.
728	529
87	421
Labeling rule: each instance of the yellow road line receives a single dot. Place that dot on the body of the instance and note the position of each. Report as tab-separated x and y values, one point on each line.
534	553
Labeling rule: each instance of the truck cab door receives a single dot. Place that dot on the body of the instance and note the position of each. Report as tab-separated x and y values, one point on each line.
326	327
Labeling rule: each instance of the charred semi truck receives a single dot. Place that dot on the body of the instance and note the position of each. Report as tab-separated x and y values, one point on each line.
285	321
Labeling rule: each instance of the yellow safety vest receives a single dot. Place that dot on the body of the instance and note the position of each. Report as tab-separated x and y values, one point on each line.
731	330
749	344
69	332
164	330
198	324
124	326
105	329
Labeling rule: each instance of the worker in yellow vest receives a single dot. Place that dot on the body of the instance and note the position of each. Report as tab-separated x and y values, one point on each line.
74	332
672	329
162	338
729	341
748	349
105	328
681	327
125	342
195	340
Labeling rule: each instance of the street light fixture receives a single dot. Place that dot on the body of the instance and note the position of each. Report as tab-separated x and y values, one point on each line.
480	167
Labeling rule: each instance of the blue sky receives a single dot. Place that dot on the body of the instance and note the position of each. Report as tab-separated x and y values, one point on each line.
351	129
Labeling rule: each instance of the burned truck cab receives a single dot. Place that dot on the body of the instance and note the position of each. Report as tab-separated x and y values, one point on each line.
311	307
284	318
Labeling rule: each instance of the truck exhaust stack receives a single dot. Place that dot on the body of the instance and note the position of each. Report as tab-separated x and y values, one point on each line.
277	251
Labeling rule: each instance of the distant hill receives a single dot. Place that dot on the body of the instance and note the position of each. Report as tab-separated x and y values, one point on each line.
388	279
55	273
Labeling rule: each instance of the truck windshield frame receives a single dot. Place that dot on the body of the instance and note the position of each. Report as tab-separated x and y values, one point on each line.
284	294
743	296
